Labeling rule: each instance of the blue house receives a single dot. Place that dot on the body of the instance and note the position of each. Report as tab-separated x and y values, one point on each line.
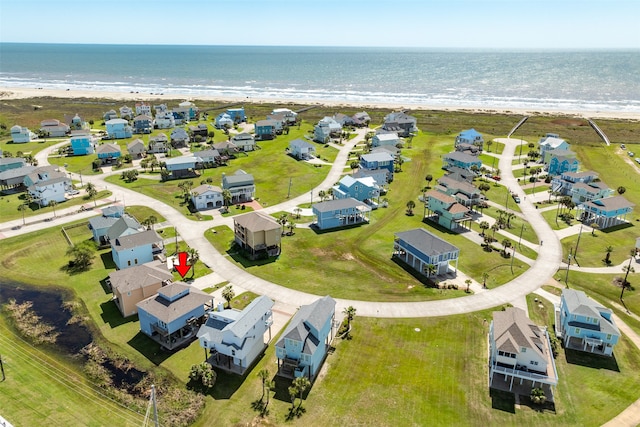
340	213
118	129
82	145
380	176
234	339
470	137
461	160
301	150
379	160
135	249
99	226
265	129
303	346
561	161
419	249
20	135
237	115
142	124
182	166
586	325
108	152
605	212
171	317
362	189
223	121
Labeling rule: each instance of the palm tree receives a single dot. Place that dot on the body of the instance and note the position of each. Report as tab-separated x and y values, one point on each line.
53	204
226	197
468	283
607	258
22	208
484	225
297	211
628	269
429	178
150	221
510	216
264	375
505	244
283	221
489	145
485	276
292	226
484	187
430	269
194	256
494	228
228	294
350	312
594	226
410	205
92	192
330	193
301	384
322	194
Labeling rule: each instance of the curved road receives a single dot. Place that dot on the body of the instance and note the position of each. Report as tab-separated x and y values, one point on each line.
193	232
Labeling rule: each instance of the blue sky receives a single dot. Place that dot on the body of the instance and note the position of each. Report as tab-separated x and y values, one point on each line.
422	23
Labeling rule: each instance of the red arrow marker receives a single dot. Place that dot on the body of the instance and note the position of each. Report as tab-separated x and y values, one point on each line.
182	267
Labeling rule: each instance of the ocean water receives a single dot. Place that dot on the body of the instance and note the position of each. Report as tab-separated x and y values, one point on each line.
586	80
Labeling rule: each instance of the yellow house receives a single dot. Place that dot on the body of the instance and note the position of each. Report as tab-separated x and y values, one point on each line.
134	284
258	234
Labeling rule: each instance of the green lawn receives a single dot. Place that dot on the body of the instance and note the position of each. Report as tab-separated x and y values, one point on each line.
592	247
33	147
9	205
550	217
62	395
361	256
435	375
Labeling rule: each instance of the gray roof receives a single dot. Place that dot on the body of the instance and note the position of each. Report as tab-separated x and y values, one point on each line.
299	143
427	243
267	122
99	222
332	205
461	157
238	179
11	160
512	330
454	184
243	137
381	156
242	324
577	302
121	225
17	172
257	221
610	203
139	276
205	188
108	148
137	239
315	315
207	153
168	311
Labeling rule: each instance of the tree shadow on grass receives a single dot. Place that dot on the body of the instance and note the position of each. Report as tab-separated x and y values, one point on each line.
503	400
238	255
149	348
582	358
226	385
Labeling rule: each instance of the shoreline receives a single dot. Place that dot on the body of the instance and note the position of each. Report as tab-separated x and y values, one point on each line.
8	93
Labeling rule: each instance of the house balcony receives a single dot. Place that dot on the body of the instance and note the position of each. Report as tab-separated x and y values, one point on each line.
225	363
589	345
177	339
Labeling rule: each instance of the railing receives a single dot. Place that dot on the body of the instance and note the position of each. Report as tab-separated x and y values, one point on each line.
524	374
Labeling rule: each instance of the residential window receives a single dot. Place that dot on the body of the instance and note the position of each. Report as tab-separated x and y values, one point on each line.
577	330
523	349
608	337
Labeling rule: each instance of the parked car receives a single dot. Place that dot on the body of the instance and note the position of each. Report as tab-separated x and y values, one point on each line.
623	146
637	159
73	192
496	177
630	153
516	198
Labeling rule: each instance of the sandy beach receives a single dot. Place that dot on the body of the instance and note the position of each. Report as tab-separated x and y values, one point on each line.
7	93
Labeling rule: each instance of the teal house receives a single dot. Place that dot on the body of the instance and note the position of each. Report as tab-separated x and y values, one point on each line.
586	325
81	145
303	346
118	129
135	249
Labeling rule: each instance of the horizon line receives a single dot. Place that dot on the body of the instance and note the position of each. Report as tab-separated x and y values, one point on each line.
519	48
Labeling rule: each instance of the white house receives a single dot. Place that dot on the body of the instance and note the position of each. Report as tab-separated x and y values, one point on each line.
234	339
207	196
301	150
46	185
389	139
21	134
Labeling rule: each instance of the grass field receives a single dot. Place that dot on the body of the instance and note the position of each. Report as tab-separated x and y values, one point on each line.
9	205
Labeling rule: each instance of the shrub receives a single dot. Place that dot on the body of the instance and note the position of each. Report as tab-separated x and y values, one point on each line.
537	396
204	374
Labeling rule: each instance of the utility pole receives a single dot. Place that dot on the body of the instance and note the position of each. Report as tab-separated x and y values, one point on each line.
155	406
520	239
575	253
512	258
289	192
2	369
566	277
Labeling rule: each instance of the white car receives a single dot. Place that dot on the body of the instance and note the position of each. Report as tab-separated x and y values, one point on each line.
73	192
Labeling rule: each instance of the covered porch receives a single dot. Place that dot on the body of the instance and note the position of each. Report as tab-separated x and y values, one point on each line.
176	339
590	345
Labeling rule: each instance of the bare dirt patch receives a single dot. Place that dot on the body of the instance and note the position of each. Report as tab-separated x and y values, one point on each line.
570	122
